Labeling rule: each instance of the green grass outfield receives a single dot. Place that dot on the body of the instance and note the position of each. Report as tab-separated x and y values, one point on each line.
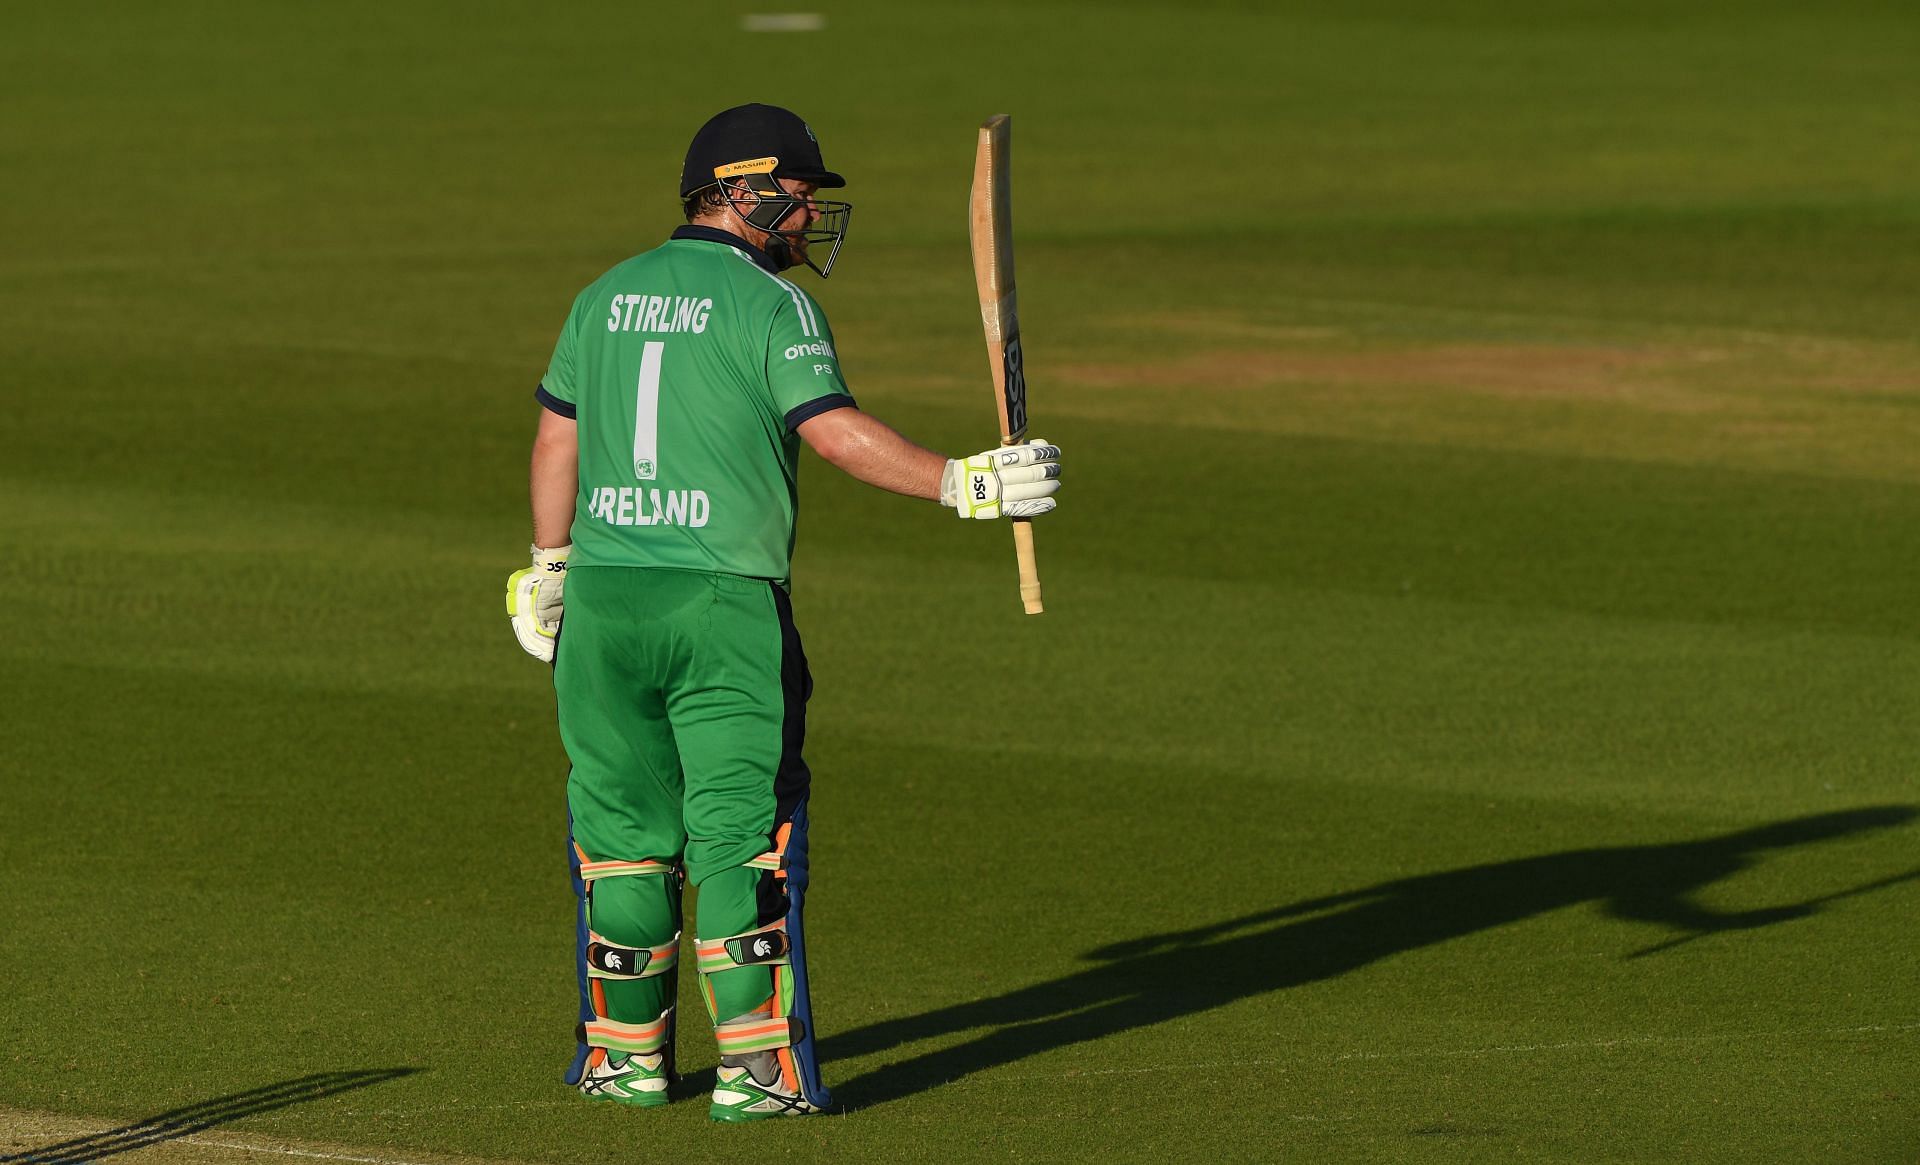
1475	718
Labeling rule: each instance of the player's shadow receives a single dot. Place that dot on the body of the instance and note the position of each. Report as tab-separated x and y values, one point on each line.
1154	980
176	1124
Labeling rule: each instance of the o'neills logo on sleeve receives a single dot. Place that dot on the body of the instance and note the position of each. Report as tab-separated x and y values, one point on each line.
818	348
630	505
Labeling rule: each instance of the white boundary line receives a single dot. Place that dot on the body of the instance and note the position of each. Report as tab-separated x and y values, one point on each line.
245	1148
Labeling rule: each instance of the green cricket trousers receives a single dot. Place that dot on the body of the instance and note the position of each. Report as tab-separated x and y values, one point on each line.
682	701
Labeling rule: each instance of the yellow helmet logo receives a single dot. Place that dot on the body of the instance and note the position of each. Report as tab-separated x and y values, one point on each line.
750	166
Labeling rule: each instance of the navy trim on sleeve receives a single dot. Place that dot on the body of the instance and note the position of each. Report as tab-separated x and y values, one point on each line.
813	408
554	404
713	235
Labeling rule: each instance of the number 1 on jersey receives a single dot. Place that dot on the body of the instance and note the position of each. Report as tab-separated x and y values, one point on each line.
646	413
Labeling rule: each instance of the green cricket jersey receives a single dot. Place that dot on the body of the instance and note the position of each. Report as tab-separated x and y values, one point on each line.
689	369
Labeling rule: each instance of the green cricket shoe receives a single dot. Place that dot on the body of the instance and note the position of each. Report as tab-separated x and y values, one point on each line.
628	1078
751	1088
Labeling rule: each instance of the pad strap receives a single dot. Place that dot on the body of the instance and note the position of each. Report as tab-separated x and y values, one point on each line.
644	1038
767	946
775	859
758	1033
589	871
607	960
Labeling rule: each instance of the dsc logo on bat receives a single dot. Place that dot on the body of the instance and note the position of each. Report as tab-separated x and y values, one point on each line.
1016	386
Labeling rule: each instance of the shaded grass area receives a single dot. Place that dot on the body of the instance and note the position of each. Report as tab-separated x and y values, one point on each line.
1509	946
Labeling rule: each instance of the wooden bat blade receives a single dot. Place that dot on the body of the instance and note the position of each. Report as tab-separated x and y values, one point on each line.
990	228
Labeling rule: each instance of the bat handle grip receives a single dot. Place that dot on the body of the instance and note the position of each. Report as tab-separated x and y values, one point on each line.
1029	569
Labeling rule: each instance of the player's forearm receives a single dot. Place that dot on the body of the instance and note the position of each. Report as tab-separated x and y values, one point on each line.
554	479
867	449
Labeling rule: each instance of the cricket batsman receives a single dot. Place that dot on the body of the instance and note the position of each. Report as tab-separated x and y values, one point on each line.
665	484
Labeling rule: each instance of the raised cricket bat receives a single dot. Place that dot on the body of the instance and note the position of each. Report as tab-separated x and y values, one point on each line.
990	225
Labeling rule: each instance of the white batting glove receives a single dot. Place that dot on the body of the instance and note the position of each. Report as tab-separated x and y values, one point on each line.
1013	481
534	598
